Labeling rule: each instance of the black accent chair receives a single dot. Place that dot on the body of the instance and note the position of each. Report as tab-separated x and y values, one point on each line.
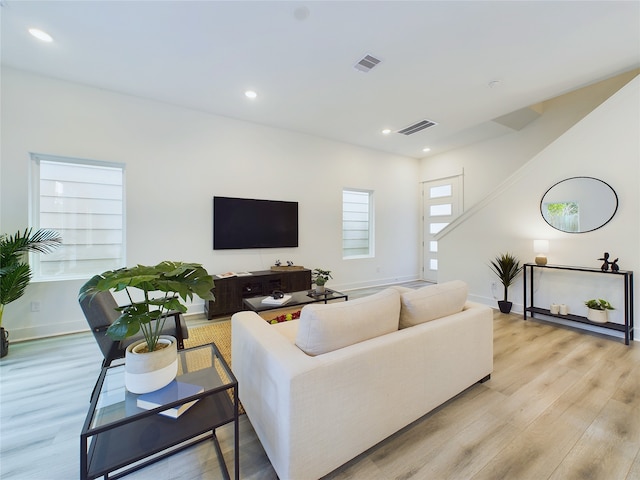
100	312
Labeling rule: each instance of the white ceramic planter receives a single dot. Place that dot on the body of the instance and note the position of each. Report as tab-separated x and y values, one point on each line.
597	316
320	289
150	371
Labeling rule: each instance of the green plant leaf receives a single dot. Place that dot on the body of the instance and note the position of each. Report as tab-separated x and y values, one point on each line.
125	326
598	304
15	279
320	277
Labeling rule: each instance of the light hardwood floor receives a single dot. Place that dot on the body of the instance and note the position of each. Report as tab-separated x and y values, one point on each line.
561	404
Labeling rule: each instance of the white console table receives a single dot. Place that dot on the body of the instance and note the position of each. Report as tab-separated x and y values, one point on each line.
627	275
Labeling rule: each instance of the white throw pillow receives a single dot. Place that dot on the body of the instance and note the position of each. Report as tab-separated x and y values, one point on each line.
431	302
324	328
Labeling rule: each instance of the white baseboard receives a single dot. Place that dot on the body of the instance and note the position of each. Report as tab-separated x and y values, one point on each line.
17	335
378	282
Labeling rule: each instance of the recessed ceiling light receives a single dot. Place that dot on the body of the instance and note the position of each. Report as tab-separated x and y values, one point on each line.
250	94
386	131
41	35
301	13
426	149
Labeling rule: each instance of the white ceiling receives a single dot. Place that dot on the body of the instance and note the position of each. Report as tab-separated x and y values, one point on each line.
438	59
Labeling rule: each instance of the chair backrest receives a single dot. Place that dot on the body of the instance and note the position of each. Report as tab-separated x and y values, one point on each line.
100	312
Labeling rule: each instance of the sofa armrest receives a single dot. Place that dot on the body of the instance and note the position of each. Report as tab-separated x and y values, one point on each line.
256	341
265	364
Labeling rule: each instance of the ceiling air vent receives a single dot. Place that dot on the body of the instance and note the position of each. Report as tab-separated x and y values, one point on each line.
367	63
416	127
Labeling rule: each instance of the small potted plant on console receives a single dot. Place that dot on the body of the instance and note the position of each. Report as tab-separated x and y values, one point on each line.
598	310
319	277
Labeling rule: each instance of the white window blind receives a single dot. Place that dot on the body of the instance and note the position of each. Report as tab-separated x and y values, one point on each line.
83	200
357	223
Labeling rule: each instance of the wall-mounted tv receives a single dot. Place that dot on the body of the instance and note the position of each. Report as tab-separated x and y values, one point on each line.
249	223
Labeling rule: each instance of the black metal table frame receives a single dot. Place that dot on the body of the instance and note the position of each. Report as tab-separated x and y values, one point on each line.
627	328
205	430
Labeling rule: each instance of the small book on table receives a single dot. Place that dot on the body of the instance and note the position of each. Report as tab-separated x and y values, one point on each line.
276	301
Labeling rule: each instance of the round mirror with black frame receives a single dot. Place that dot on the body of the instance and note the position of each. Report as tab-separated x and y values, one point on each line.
579	204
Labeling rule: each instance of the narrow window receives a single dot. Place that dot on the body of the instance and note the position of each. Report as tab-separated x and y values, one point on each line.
442	203
83	200
357	223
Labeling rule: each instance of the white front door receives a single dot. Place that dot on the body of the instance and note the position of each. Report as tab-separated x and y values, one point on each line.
442	203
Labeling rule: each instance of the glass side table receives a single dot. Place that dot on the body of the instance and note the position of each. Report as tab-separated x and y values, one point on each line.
118	437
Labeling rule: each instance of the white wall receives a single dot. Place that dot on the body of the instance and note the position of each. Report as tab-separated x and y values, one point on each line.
605	144
176	161
487	164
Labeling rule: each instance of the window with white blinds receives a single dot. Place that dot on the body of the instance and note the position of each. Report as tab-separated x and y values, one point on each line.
83	200
357	223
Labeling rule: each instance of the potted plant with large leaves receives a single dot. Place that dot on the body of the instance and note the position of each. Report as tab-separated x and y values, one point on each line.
151	363
507	267
15	271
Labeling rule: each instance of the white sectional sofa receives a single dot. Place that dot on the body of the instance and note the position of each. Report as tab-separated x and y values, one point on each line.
323	389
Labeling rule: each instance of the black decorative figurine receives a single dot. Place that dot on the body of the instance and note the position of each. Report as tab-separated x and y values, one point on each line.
607	263
614	266
605	259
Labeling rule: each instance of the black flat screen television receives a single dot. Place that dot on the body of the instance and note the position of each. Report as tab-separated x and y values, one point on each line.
240	223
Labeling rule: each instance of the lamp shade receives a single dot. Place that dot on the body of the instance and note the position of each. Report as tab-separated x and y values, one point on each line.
540	247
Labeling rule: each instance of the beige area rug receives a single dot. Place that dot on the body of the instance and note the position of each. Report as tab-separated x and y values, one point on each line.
218	333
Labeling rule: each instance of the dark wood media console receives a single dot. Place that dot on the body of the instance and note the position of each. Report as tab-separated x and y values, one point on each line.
231	291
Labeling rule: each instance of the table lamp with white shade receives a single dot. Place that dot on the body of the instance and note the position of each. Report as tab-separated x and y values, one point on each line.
541	247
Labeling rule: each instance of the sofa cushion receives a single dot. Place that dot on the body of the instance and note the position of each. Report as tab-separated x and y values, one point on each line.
402	289
288	329
431	302
326	327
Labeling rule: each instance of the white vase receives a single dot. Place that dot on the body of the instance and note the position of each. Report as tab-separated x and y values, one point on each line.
597	316
320	289
149	371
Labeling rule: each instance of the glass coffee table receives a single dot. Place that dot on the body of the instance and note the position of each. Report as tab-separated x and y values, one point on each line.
298	299
118	437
